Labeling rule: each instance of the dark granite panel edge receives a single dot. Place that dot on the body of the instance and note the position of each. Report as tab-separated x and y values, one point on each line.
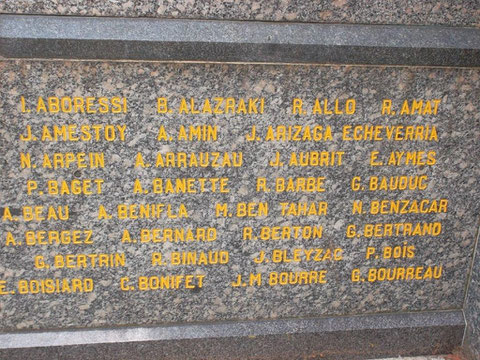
233	41
355	337
445	12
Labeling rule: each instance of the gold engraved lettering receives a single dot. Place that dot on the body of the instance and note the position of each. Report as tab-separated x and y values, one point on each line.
220	106
84	105
199	258
283	232
197	160
304	208
405	273
198	133
184	186
316	158
390	133
74	133
76	160
402	229
57	237
424	206
297	278
79	261
170	282
55	286
177	235
151	211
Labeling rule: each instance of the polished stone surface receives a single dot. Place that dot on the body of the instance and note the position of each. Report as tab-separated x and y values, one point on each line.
361	337
338	320
444	12
60	37
456	151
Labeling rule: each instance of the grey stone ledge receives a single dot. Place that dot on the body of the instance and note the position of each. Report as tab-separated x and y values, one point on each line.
88	38
349	337
229	329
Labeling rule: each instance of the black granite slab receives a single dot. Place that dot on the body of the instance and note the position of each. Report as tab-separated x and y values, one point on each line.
348	338
53	37
411	12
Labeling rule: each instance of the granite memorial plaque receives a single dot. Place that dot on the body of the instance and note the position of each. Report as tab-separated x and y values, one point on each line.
175	210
